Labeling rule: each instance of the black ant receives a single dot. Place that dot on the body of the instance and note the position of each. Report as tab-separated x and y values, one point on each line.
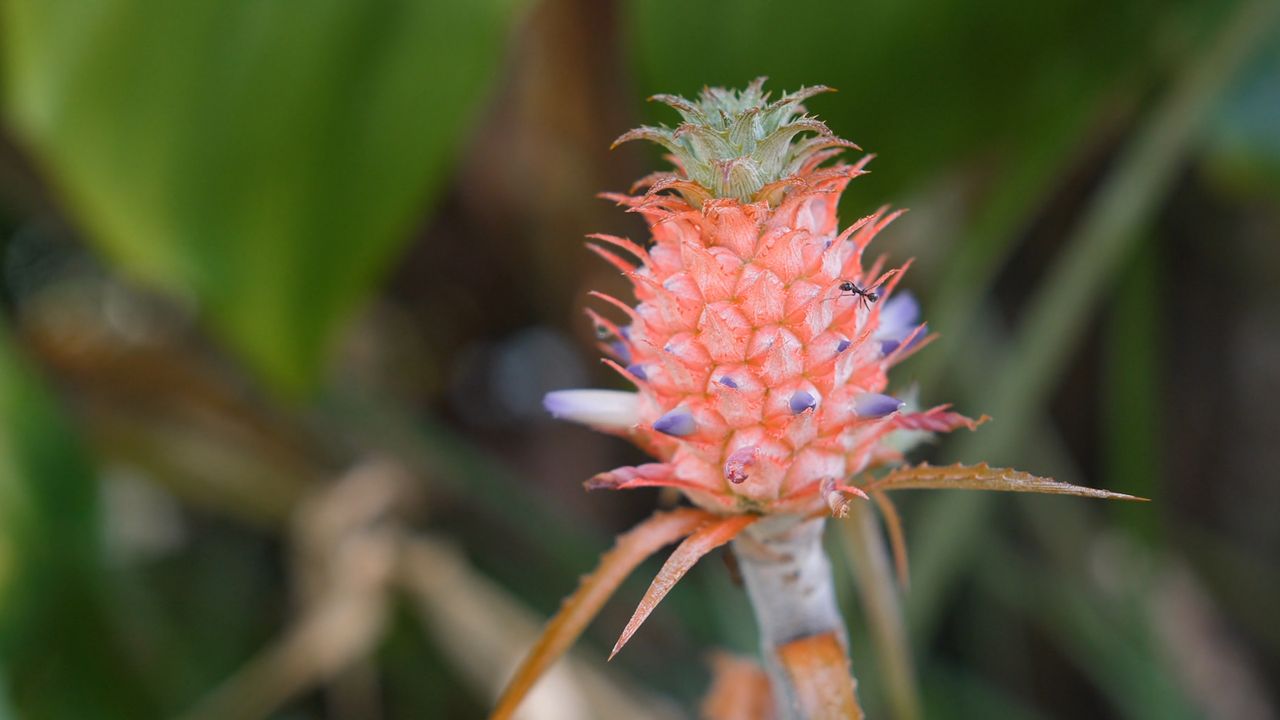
865	295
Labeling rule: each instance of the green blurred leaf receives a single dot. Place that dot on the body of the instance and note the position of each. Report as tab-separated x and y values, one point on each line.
924	83
1243	143
45	493
1111	640
1055	318
1133	373
264	158
55	647
956	693
6	710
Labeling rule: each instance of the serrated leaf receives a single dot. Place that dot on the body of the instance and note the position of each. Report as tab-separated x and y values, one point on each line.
984	477
707	538
631	549
264	160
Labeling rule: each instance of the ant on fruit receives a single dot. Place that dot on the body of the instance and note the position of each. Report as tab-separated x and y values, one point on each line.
866	295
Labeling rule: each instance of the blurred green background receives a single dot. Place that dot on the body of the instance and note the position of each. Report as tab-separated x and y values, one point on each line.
283	283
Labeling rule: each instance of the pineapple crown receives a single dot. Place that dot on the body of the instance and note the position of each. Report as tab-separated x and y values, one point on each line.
737	144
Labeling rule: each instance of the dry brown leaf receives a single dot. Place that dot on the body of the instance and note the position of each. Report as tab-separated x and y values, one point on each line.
707	538
984	477
819	672
897	539
632	548
480	627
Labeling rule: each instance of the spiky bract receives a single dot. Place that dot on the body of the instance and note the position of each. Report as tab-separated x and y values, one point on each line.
760	375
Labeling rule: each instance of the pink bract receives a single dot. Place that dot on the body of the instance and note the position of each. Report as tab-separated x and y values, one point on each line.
761	383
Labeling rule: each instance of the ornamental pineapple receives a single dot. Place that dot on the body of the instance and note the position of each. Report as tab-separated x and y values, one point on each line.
762	336
759	347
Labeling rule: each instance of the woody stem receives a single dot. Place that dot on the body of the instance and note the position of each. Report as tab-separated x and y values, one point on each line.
788	579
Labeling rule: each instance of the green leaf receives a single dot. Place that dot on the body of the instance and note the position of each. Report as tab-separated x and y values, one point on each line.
1133	410
45	493
1112	637
262	158
1243	147
1053	320
56	650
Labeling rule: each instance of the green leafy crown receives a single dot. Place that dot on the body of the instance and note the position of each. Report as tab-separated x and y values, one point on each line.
736	143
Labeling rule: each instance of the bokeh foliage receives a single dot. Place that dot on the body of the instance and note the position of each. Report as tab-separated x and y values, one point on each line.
925	84
264	162
261	160
55	645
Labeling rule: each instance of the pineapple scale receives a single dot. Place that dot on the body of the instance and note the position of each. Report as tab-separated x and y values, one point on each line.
759	374
748	358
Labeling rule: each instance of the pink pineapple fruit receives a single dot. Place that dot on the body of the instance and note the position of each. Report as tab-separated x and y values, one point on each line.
762	339
759	348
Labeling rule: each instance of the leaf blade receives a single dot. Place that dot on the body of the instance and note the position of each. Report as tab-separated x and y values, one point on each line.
264	160
897	538
56	629
705	539
632	548
985	477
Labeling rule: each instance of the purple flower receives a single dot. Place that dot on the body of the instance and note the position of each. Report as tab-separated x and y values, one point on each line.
801	401
875	405
677	423
898	317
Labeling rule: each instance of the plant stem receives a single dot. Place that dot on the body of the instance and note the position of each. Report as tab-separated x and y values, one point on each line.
881	604
789	583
